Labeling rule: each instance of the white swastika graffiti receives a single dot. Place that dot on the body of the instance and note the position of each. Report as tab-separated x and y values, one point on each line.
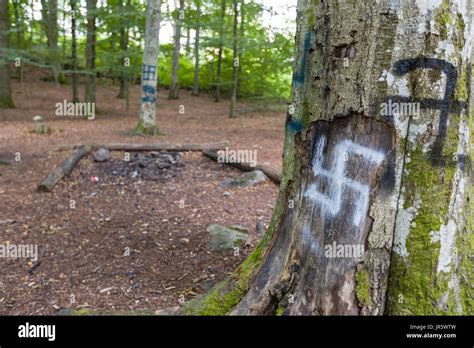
337	179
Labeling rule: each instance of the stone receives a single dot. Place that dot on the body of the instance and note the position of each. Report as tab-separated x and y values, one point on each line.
245	180
223	237
184	241
260	227
101	155
38	118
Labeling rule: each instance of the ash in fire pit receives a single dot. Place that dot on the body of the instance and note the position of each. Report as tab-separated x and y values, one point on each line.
146	166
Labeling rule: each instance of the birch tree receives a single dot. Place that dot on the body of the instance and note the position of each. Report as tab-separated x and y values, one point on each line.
374	214
147	122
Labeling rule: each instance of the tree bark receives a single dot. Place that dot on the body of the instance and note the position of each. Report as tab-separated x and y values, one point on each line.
235	63
75	77
221	48
6	100
174	86
90	51
373	215
196	49
147	123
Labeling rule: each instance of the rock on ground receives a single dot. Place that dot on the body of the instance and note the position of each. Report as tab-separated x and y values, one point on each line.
101	155
227	237
245	180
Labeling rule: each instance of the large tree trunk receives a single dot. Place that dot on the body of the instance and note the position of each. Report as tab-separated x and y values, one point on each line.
196	49
174	87
49	11
75	77
147	123
221	48
6	100
235	62
373	215
90	51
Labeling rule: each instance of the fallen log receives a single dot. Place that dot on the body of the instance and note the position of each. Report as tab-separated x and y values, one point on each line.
63	169
269	171
5	162
150	147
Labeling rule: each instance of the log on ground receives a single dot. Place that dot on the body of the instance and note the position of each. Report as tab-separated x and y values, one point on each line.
269	171
63	169
150	147
5	162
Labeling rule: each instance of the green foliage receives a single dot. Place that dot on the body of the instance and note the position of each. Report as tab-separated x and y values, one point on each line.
265	58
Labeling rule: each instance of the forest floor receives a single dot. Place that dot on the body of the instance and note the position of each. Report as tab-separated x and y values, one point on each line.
162	221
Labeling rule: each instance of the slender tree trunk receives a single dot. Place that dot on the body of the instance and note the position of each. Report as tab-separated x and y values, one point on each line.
32	32
221	48
63	29
75	82
196	49
6	100
235	65
90	51
147	123
241	41
188	40
49	10
373	215
18	23
174	86
123	48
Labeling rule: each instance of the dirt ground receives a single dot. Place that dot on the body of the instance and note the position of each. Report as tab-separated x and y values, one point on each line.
161	220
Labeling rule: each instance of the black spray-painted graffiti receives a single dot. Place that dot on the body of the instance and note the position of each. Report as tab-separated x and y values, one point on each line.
149	91
148	72
445	105
149	94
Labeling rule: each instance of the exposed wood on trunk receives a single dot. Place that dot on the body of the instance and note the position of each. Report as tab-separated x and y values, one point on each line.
269	171
150	147
63	169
